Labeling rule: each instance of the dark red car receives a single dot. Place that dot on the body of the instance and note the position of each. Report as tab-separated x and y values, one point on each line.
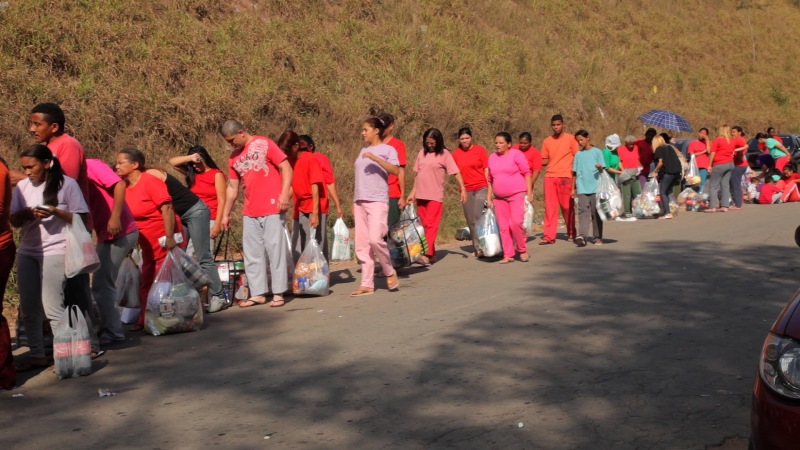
775	413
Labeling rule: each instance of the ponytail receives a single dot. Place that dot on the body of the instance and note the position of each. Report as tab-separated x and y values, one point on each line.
55	176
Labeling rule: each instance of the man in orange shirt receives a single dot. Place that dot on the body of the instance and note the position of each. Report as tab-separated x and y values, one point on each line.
558	152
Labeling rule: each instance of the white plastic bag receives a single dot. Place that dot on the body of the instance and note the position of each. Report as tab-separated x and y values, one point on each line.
527	218
127	285
81	257
405	244
647	204
488	234
340	250
72	350
410	213
311	274
693	172
173	305
609	198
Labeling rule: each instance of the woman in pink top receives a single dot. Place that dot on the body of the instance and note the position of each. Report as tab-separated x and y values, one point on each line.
720	167
510	177
433	164
371	205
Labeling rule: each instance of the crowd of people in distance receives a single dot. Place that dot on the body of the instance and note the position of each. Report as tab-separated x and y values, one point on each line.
136	204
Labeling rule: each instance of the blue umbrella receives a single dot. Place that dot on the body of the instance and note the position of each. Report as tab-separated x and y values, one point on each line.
666	119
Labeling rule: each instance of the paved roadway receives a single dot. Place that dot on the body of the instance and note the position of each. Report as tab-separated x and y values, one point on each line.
650	341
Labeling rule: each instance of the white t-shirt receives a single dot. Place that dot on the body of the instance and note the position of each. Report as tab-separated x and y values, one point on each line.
46	237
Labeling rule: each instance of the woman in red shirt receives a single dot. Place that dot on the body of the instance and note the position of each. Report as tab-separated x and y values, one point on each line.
473	163
720	167
739	166
151	206
8	251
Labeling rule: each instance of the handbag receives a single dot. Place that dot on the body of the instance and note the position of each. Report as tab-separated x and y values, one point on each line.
81	256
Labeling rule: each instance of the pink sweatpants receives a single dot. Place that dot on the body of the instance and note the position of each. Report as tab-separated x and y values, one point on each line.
509	214
430	214
558	193
371	219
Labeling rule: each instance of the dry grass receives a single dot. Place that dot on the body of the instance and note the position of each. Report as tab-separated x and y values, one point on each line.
162	75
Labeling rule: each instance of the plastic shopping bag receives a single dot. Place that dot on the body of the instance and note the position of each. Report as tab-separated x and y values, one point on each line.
685	195
81	256
340	250
488	234
405	244
72	350
192	270
173	305
527	217
410	213
647	204
693	172
609	198
311	274
127	285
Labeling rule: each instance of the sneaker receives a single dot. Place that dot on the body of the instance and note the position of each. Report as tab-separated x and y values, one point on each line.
216	304
598	241
580	241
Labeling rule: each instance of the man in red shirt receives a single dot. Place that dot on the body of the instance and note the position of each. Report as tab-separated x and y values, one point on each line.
646	154
397	183
558	152
261	167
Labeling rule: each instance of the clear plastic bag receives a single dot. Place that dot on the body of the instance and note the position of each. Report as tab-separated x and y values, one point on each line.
405	244
127	285
693	172
72	350
488	234
311	274
340	250
685	195
173	305
81	256
527	217
410	213
194	273
609	198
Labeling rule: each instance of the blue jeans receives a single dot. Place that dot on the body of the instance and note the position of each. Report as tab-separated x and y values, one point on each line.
703	178
665	188
197	221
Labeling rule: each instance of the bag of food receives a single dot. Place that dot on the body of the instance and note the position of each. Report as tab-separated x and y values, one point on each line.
692	176
673	205
127	285
410	213
311	274
488	234
647	204
609	198
72	350
684	195
340	250
527	217
173	305
81	256
405	244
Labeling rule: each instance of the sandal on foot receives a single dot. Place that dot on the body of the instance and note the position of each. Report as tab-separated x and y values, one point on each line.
98	354
362	291
506	260
524	257
546	242
252	302
277	303
392	282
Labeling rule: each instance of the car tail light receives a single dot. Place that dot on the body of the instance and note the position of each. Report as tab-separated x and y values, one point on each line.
780	365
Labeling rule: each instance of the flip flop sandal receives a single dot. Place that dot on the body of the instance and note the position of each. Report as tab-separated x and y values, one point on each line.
277	303
251	303
360	292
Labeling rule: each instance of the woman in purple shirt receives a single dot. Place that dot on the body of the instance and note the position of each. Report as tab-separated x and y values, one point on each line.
510	177
371	205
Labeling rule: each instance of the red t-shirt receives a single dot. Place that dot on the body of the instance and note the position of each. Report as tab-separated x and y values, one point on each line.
6	235
696	147
738	157
72	157
560	153
533	155
723	151
145	200
394	182
305	173
794	176
778	138
472	163
205	187
628	157
328	177
256	166
767	192
645	155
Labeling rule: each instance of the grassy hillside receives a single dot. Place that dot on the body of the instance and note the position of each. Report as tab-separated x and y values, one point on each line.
162	75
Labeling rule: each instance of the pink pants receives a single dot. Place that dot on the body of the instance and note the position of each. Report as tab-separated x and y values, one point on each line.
371	219
430	214
509	213
558	193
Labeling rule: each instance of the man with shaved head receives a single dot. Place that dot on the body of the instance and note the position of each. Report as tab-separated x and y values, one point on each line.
261	167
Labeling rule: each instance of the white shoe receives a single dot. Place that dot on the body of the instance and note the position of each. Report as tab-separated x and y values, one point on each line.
216	304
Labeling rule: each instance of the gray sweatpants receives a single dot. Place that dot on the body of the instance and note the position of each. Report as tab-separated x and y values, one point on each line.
721	181
104	290
301	231
587	212
473	209
264	242
41	282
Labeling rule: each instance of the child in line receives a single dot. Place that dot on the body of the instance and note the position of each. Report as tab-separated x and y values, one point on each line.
586	168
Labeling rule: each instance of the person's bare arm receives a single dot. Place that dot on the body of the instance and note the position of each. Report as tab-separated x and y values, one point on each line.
158	174
335	196
401	180
286	185
387	166
168	216
462	188
114	226
231	192
219	187
313	220
180	163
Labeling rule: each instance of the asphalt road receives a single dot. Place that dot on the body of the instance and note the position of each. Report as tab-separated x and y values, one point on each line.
650	341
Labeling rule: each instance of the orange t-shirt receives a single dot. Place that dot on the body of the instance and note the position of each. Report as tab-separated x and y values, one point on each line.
306	172
561	153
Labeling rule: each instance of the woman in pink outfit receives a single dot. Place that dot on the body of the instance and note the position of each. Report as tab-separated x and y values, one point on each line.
371	205
510	177
433	164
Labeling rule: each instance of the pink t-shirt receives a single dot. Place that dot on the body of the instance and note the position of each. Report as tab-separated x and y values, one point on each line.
102	181
432	170
371	180
46	237
256	166
507	173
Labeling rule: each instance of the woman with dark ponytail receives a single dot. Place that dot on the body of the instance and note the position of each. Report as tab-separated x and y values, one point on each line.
42	206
